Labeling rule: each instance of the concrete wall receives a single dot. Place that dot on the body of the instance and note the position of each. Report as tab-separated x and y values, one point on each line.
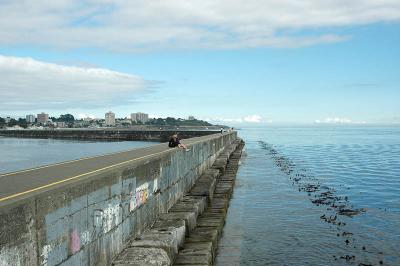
86	222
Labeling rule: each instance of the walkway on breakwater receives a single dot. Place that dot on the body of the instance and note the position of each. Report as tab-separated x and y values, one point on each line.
21	183
188	234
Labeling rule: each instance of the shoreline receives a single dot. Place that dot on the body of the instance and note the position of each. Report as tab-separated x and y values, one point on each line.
129	134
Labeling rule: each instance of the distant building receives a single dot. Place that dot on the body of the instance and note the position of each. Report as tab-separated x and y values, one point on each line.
110	119
60	124
7	119
139	117
42	118
30	119
191	117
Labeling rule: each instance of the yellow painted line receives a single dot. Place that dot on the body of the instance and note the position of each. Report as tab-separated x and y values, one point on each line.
87	173
71	161
77	176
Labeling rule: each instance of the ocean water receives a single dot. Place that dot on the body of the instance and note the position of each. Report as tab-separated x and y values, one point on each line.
18	153
315	195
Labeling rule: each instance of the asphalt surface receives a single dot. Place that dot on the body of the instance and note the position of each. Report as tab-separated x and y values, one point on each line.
15	184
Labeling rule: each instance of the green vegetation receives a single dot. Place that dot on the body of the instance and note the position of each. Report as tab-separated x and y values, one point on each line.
68	118
170	121
20	122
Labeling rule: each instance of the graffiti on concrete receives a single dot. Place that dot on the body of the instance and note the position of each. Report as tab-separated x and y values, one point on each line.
142	193
75	242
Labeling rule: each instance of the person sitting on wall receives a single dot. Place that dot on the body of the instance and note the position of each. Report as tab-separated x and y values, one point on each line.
176	142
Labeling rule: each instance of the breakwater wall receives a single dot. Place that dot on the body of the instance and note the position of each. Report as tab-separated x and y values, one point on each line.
87	220
106	134
189	233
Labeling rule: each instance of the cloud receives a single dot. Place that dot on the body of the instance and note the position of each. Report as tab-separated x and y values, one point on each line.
83	116
27	84
176	24
252	119
244	119
338	120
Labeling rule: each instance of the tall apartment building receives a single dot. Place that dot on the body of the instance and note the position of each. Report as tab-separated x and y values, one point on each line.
139	117
110	119
42	118
30	119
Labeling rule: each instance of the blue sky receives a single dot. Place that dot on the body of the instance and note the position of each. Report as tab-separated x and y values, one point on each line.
345	71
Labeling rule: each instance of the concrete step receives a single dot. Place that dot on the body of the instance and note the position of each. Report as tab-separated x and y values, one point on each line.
139	256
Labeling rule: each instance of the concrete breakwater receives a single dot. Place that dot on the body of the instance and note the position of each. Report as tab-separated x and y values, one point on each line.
188	234
107	134
83	212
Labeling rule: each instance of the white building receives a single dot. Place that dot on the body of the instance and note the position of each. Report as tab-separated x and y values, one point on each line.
139	117
42	118
110	119
191	117
30	119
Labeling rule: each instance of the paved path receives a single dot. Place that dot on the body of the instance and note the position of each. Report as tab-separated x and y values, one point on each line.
15	184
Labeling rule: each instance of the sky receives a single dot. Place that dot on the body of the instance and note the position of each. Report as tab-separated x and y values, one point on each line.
253	61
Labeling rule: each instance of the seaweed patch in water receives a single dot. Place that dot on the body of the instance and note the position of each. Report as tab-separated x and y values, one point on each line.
319	194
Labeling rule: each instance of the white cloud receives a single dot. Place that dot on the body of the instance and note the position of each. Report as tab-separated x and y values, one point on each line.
338	120
244	119
176	24
252	119
83	116
27	84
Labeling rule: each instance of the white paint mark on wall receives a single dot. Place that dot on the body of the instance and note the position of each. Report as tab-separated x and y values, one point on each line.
44	256
155	185
111	216
85	237
9	256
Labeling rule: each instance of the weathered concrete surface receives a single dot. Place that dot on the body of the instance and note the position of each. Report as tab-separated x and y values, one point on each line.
188	217
140	256
88	220
169	239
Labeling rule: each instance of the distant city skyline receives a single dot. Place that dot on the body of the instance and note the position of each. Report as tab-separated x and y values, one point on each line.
235	62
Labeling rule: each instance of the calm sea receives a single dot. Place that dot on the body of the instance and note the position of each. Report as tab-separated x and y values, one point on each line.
316	195
17	153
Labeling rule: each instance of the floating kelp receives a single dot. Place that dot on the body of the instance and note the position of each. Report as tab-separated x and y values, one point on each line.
320	195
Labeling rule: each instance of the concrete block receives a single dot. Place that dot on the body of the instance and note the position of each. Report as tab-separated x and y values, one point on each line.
139	256
197	247
213	172
193	259
188	217
216	222
205	234
220	164
204	189
184	208
199	201
178	223
169	239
